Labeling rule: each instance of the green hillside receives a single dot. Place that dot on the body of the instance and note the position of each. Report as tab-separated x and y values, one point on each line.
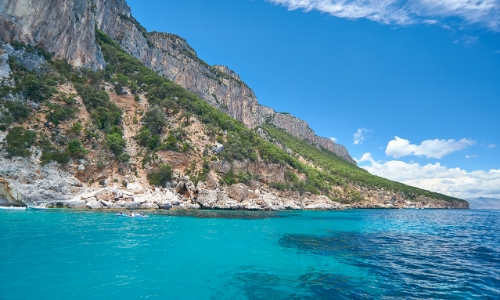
336	178
343	171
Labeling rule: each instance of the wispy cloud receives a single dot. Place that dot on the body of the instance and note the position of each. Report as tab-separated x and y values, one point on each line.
466	40
438	178
405	12
491	146
333	139
470	156
429	148
359	136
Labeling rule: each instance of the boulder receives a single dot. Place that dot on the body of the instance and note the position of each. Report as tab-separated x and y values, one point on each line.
135	188
94	204
252	194
212	182
238	192
292	205
106	194
106	203
164	205
190	186
217	148
87	196
207	198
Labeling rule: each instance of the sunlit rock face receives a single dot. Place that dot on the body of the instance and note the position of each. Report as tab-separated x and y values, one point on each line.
67	29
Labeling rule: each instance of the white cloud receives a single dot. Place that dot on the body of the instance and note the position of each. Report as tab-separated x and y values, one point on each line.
430	148
403	12
435	177
359	136
491	146
466	40
333	139
470	156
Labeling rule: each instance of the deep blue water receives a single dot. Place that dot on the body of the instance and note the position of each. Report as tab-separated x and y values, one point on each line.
355	254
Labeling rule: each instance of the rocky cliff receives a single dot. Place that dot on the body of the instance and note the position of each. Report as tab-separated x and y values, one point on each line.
70	137
67	28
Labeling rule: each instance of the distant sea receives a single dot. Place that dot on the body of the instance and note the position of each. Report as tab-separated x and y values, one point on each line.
354	254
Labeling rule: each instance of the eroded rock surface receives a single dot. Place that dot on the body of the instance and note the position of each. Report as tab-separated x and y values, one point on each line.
45	23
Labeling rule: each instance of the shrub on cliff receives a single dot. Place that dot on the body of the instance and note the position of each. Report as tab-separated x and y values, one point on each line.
76	149
56	113
154	120
104	112
36	88
116	143
50	153
76	128
18	142
160	176
19	111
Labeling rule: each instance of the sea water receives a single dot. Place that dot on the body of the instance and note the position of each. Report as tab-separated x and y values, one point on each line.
354	254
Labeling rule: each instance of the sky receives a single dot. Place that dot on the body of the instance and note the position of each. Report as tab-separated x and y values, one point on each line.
411	88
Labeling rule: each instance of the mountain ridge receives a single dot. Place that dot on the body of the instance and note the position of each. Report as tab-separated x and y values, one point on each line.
167	54
126	133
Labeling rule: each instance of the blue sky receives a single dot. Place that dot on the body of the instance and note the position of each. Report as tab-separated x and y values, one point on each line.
366	72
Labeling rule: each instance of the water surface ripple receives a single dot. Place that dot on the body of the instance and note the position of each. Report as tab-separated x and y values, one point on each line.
358	254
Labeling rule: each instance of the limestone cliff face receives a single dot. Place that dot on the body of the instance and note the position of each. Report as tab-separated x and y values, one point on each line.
172	57
67	28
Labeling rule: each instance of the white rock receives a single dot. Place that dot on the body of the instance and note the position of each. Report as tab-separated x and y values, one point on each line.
135	188
94	204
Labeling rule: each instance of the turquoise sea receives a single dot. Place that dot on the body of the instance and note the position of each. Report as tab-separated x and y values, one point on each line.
355	254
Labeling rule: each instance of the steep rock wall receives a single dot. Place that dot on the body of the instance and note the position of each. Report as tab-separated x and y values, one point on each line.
66	28
172	57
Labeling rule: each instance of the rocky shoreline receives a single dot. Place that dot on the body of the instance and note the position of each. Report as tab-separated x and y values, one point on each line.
23	181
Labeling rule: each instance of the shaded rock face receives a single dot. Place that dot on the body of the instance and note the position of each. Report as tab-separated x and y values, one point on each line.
45	23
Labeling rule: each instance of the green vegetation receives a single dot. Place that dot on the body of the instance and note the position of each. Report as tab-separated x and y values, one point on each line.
115	141
344	172
56	113
76	149
337	179
76	128
241	143
18	142
50	153
154	120
17	111
242	177
104	112
160	176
